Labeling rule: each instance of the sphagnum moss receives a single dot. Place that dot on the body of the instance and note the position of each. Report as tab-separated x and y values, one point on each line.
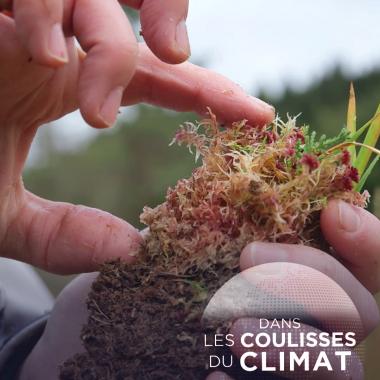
254	184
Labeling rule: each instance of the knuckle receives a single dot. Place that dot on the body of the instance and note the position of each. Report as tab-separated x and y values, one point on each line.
51	10
128	52
122	58
52	236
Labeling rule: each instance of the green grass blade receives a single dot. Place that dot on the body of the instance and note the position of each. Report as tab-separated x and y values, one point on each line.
361	130
371	139
351	119
367	173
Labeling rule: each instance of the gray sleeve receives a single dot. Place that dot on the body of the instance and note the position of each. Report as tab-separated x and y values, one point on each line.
24	306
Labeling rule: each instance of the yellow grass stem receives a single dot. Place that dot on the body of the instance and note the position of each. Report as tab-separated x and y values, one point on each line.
351	119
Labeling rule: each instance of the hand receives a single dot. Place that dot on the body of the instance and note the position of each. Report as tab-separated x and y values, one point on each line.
353	233
60	237
163	25
61	336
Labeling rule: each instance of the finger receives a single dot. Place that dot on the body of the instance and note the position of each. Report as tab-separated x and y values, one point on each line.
105	34
218	376
288	290
260	253
187	87
163	24
354	368
136	4
68	315
63	238
39	25
10	47
355	235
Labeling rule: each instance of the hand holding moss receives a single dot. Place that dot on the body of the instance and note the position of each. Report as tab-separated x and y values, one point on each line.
257	185
38	86
353	233
55	348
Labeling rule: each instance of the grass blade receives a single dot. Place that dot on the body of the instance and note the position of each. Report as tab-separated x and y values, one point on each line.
361	130
371	139
351	119
366	174
346	144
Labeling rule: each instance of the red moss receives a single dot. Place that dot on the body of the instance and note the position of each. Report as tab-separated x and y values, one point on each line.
310	161
353	173
346	157
252	185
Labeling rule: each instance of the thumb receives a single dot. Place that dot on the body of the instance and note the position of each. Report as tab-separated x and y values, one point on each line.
354	233
63	238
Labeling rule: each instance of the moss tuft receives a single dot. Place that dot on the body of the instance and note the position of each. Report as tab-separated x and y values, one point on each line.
253	184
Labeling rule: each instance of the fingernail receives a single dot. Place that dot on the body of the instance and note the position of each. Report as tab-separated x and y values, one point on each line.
253	252
260	252
110	107
349	218
57	44
248	256
260	247
262	104
182	38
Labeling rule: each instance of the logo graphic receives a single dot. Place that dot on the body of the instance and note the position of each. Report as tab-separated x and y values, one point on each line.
287	319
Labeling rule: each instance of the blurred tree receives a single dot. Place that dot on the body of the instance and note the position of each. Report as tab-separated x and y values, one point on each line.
324	104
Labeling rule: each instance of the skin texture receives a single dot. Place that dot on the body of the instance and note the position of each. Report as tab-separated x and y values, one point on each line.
354	233
163	25
36	87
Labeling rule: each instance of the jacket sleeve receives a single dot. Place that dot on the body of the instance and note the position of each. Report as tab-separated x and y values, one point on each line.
25	304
